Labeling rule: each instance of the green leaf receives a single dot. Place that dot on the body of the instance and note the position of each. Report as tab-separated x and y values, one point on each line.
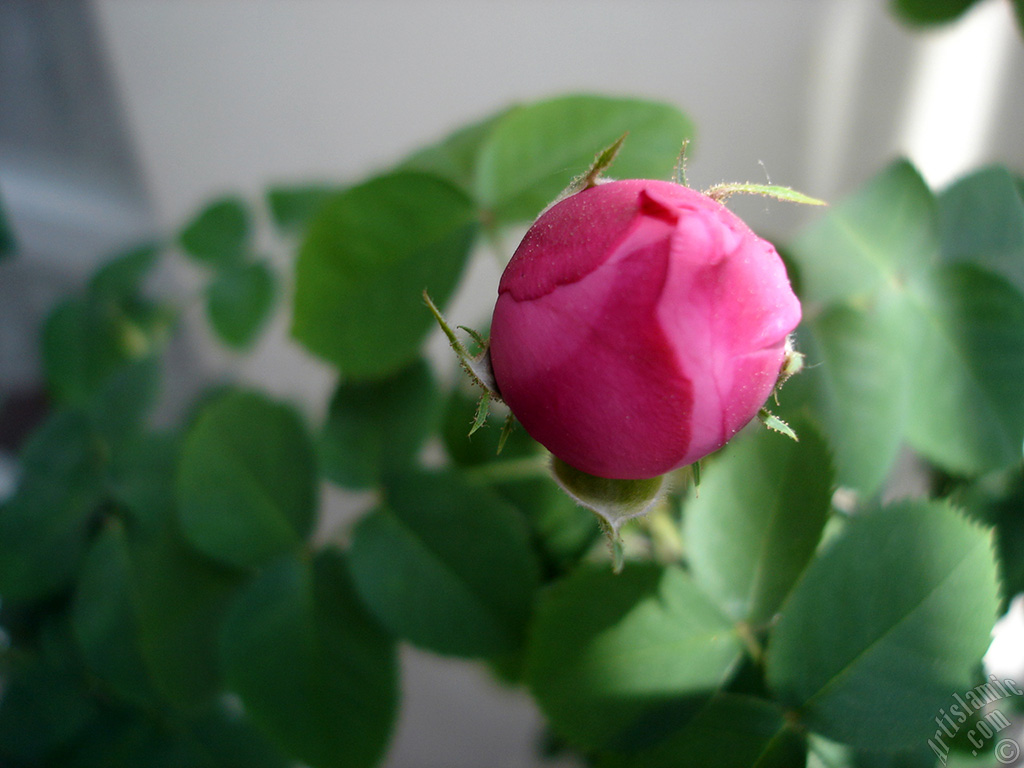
247	480
455	156
44	527
231	741
982	222
239	301
875	239
103	618
967	351
726	731
180	596
376	428
219	234
609	652
293	207
886	624
930	11
446	565
122	276
367	257
859	376
534	151
754	526
120	405
314	672
7	242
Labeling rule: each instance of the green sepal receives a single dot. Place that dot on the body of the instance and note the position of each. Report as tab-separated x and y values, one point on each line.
776	424
721	192
592	176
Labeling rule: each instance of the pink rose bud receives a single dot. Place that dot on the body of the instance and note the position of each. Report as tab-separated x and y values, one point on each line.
639	326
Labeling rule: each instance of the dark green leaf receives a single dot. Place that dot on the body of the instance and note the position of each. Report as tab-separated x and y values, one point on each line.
103	618
180	596
875	239
376	428
125	397
239	301
231	741
886	624
858	373
757	520
44	527
609	652
930	11
726	731
367	257
982	222
967	352
122	276
7	243
446	565
219	234
44	707
293	207
534	151
247	480
314	672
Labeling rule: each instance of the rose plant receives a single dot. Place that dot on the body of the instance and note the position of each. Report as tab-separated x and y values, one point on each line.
176	593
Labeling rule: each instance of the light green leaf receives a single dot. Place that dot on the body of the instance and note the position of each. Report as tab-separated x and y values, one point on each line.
875	239
368	256
534	151
859	377
982	222
607	652
967	363
885	625
455	156
376	428
239	301
246	480
757	520
314	672
446	565
219	234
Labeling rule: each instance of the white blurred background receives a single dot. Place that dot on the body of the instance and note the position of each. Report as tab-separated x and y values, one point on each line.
120	118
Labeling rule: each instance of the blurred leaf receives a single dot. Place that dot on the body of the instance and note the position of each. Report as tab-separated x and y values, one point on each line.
374	428
367	257
930	11
180	596
7	243
534	151
757	520
247	480
967	350
231	741
122	276
875	239
103	618
313	670
886	624
446	565
125	398
44	527
858	371
127	738
239	302
982	222
482	446
609	652
726	731
455	156
293	207
44	707
219	234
